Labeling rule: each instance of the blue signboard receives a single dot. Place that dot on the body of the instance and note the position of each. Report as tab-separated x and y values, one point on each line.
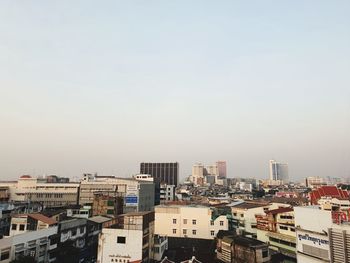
131	200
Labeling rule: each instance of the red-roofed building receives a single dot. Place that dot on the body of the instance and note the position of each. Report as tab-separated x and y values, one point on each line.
327	191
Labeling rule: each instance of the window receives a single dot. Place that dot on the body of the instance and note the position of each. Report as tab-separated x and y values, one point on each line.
292	229
194	221
174	231
212	232
242	215
234	214
110	212
185	221
284	227
184	231
121	240
174	221
5	254
265	254
21	227
194	232
14	227
211	222
221	223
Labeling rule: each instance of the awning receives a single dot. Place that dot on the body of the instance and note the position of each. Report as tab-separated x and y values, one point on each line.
283	237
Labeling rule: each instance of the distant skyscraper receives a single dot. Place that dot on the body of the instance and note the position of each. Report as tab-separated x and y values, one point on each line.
222	168
163	172
279	171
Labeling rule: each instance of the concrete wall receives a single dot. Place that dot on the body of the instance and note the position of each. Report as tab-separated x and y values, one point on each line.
180	218
109	249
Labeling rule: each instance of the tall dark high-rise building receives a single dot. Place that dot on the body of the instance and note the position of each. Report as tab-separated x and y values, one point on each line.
163	172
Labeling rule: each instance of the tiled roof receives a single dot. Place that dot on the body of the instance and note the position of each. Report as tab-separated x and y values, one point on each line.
328	191
280	210
42	218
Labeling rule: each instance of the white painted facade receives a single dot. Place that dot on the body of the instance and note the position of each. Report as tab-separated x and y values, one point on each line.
312	226
36	190
120	244
34	243
188	221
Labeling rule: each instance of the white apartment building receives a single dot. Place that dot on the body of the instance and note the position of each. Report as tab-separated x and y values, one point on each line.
34	189
188	221
31	243
130	241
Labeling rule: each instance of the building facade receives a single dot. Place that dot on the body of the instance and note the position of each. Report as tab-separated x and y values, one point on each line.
162	172
130	240
188	221
138	195
222	168
278	171
39	190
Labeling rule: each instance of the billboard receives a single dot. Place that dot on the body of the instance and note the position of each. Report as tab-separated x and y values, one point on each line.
131	198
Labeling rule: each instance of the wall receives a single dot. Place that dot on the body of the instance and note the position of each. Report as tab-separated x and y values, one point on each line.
164	224
109	249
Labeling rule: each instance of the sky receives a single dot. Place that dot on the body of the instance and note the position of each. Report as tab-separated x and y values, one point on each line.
91	86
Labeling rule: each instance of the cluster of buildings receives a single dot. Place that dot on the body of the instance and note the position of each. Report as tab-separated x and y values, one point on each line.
150	217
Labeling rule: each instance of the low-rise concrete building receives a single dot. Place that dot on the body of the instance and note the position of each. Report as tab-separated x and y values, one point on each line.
30	243
130	240
191	221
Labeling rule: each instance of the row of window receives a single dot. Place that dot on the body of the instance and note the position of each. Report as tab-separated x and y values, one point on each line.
286	228
194	222
49	195
194	232
5	254
235	214
286	217
120	260
21	227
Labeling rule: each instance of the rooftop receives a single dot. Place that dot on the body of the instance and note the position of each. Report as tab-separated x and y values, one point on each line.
248	205
280	210
42	218
99	219
247	242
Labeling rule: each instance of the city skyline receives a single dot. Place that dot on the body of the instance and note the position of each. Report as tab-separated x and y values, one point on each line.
87	87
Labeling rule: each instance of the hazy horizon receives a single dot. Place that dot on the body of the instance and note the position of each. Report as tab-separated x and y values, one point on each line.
101	87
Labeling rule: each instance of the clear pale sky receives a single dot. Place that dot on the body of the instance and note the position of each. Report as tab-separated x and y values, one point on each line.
100	86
